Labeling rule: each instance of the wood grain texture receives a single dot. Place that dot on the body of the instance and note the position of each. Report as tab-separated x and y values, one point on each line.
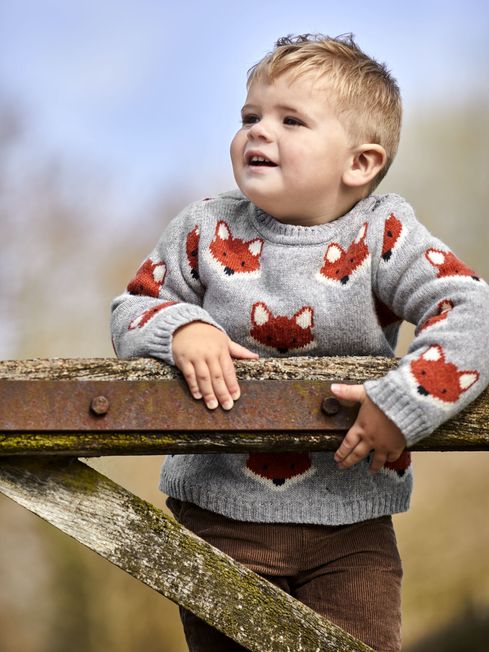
469	430
156	550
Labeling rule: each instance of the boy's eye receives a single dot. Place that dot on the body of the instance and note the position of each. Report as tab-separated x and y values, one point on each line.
249	119
294	122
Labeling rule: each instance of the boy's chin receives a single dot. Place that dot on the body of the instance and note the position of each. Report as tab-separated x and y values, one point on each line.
264	202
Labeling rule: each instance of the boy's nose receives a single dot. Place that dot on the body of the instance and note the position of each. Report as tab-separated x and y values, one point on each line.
260	131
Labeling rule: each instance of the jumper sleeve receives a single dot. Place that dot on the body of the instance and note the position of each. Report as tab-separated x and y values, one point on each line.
165	293
421	280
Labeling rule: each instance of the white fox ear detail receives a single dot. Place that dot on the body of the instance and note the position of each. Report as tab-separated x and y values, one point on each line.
467	379
333	253
304	318
255	247
433	354
361	234
159	272
435	257
135	322
445	306
222	231
260	314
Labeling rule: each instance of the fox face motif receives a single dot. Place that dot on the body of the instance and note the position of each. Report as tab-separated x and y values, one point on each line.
235	257
192	251
282	333
448	264
394	233
443	308
149	279
143	319
340	266
278	471
400	466
438	379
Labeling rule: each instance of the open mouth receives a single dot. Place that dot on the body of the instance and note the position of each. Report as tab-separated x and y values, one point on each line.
261	161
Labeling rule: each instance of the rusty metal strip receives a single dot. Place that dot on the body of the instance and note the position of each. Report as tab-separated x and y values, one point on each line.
166	405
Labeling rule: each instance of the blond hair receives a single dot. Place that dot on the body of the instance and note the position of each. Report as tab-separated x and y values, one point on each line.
365	94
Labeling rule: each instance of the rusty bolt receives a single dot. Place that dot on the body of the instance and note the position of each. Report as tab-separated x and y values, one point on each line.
100	405
330	406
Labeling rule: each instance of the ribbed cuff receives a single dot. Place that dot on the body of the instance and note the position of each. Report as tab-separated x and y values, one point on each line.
160	339
399	407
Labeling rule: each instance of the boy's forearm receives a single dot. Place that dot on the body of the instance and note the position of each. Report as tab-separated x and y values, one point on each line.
419	279
164	295
143	326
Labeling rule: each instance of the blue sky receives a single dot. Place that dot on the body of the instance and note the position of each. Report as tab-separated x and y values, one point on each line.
150	91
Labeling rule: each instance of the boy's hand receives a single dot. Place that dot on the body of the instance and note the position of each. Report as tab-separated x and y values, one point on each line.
204	355
371	432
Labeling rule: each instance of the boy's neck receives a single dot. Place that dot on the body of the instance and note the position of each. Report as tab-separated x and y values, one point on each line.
339	207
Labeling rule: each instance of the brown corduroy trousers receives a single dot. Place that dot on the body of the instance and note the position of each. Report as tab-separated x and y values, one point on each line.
350	574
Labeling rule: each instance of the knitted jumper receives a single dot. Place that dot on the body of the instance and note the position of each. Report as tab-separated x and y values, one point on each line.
340	288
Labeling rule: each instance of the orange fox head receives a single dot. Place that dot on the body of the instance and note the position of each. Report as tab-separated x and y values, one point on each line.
340	265
143	319
280	332
149	278
400	466
448	264
443	308
393	233
192	250
278	470
233	255
438	379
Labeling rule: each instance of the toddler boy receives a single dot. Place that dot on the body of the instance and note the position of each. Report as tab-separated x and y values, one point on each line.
304	259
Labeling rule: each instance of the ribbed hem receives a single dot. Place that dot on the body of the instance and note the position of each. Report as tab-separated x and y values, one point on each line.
333	512
395	403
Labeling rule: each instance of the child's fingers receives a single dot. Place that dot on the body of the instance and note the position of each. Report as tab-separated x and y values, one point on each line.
238	351
378	461
356	454
230	376
204	381
347	446
349	392
188	372
219	385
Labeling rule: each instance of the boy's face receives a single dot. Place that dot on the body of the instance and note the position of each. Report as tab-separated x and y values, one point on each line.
290	155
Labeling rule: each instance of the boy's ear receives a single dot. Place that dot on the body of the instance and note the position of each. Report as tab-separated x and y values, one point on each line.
365	163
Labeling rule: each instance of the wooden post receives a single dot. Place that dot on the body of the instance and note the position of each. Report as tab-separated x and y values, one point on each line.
139	538
159	552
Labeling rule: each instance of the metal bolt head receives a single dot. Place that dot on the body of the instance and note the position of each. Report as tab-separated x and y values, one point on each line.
100	405
330	406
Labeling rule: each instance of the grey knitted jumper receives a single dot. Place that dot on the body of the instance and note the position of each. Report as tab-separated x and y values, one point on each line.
340	288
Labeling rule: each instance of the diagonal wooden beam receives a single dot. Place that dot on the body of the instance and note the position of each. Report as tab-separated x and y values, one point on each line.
144	542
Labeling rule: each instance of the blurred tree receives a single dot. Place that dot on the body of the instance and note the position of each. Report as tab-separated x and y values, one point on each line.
63	258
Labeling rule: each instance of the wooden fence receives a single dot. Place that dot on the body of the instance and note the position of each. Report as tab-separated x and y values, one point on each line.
54	411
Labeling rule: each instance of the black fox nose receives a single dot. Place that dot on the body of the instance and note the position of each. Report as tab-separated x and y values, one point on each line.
278	481
423	391
228	271
387	255
344	280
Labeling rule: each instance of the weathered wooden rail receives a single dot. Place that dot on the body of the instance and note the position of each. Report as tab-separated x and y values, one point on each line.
53	411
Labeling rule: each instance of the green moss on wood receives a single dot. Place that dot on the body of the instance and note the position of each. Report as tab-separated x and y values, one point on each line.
159	552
